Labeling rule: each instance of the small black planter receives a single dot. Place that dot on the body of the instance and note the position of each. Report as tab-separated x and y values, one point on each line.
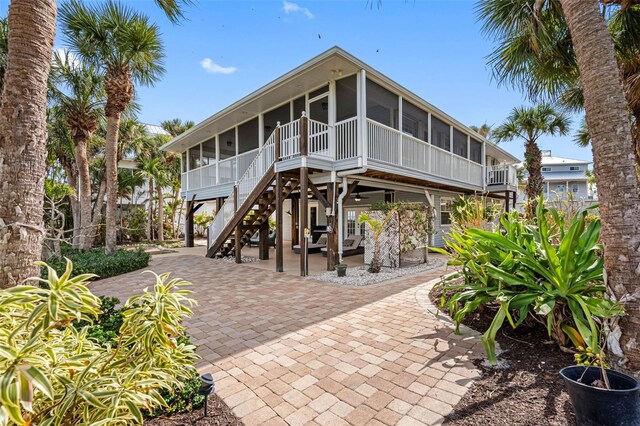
618	406
342	269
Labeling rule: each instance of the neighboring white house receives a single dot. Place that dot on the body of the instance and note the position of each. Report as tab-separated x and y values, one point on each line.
564	178
339	135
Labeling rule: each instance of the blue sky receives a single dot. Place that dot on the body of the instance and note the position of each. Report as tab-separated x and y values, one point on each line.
433	48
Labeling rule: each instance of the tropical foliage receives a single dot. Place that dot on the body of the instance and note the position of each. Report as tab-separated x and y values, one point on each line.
532	269
53	373
97	263
474	212
376	227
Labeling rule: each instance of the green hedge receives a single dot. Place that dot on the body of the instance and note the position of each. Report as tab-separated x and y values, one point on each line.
95	261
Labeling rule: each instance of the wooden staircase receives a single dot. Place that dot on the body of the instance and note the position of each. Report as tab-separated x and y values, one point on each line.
252	218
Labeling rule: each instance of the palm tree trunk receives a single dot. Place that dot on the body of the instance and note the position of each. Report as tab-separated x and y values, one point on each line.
535	181
97	213
23	136
179	218
72	181
160	213
614	164
84	190
150	211
111	159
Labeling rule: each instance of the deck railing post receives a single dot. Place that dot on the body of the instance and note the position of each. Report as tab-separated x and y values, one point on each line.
277	142
304	135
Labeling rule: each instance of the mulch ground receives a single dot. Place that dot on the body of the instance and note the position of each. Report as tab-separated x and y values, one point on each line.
218	415
528	391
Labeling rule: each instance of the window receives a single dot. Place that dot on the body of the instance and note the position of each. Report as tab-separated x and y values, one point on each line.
184	162
248	136
440	134
546	189
574	188
351	222
574	168
475	153
194	157
318	92
415	121
560	188
459	143
209	152
228	143
298	108
382	105
445	211
346	98
546	169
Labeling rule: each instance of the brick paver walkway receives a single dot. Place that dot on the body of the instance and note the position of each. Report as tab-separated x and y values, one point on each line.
286	350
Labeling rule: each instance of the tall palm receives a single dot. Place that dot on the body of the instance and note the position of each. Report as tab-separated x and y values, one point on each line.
604	96
128	49
77	89
176	126
529	124
150	167
535	51
23	137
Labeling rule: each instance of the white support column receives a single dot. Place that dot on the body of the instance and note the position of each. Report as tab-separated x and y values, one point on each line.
217	159
362	117
484	165
451	138
400	129
201	170
261	134
468	158
237	150
430	141
332	119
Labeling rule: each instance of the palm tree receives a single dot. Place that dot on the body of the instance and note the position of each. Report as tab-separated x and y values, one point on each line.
548	47
529	124
77	89
128	49
23	137
150	167
377	227
176	126
484	130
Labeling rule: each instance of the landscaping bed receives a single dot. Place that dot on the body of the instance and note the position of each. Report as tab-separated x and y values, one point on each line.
526	389
219	414
359	276
95	261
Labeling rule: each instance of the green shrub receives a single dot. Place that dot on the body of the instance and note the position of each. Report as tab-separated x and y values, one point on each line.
96	262
54	374
105	329
544	269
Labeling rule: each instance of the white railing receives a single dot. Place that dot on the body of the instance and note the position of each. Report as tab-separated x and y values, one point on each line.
263	160
184	181
290	139
227	170
503	174
318	139
244	161
391	146
208	175
194	179
346	134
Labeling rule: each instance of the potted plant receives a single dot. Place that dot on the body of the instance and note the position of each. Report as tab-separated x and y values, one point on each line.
600	396
341	268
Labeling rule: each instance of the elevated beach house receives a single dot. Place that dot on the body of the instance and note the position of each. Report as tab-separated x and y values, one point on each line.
319	145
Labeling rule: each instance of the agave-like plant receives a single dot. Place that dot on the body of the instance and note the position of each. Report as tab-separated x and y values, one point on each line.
51	373
542	269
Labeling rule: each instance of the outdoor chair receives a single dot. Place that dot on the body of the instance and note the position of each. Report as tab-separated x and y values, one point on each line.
350	246
314	247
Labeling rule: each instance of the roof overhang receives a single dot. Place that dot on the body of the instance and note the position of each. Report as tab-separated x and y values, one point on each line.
319	70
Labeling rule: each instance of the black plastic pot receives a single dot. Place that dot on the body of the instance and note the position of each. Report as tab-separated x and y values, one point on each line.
342	270
618	406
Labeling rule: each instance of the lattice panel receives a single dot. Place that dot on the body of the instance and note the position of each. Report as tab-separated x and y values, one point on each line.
389	241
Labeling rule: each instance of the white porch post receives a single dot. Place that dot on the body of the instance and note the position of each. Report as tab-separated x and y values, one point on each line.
484	165
362	117
237	150
430	141
332	119
217	159
400	129
261	134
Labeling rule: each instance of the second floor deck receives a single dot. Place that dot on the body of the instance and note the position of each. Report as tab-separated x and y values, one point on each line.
356	143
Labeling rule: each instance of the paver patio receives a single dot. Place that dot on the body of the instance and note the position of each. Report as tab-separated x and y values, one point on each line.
287	350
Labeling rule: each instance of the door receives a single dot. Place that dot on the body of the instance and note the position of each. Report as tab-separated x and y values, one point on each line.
318	113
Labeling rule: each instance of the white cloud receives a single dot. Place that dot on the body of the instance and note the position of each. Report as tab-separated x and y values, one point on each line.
67	55
290	7
211	67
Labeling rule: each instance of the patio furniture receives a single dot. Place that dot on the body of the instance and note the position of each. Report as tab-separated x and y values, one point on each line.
351	246
255	240
314	247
